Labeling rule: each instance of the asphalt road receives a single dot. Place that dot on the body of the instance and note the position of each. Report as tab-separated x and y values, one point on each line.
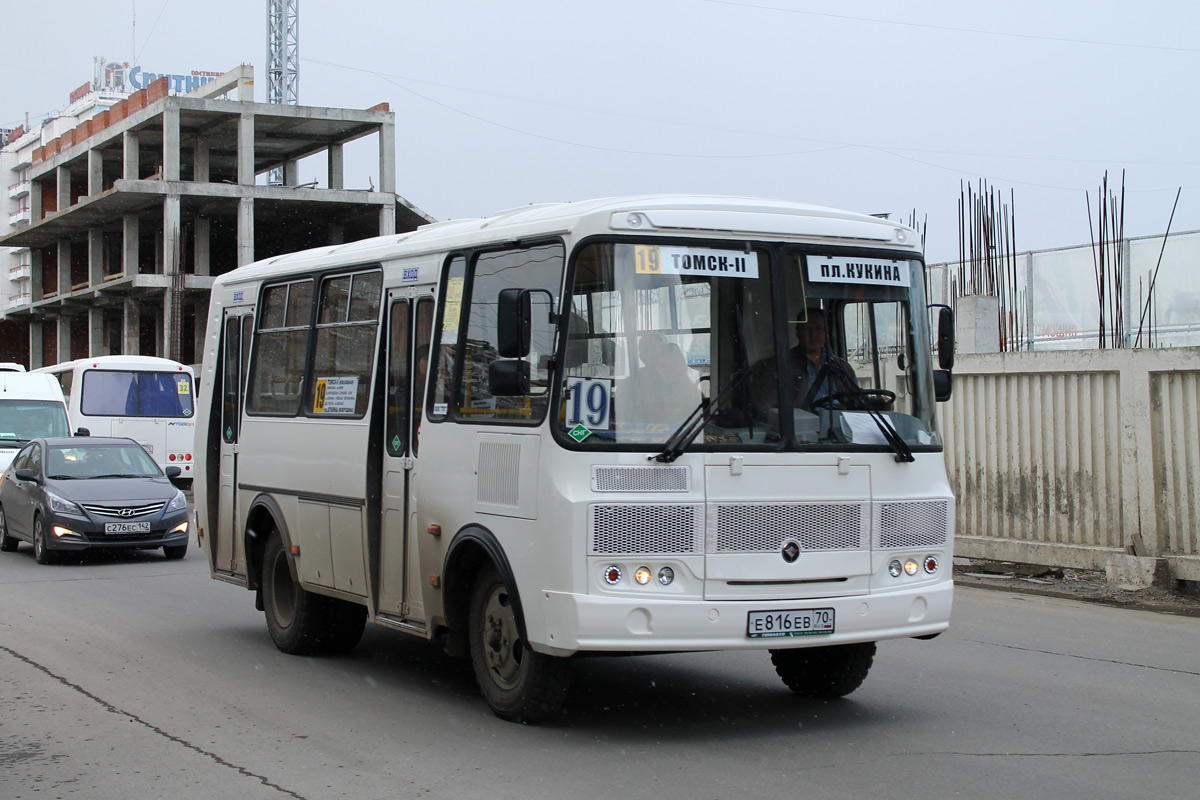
138	677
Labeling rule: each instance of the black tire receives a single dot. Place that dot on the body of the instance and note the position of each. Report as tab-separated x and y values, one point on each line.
41	553
7	543
345	627
824	672
175	552
302	622
519	684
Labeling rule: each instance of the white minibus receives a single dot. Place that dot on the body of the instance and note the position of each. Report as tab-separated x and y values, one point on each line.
637	425
144	398
31	407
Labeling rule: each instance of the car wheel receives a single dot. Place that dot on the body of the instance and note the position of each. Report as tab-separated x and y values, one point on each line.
824	672
174	552
7	543
519	684
41	553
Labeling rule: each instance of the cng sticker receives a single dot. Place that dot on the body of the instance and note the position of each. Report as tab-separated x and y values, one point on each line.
579	433
229	433
396	442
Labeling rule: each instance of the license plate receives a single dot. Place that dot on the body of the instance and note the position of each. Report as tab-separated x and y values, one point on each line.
127	527
802	622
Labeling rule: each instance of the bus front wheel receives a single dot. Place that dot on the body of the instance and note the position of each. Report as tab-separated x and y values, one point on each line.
824	672
519	684
294	616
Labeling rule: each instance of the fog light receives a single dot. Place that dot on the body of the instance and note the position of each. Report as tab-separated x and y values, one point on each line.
911	567
931	564
895	568
60	531
612	575
180	528
642	576
666	575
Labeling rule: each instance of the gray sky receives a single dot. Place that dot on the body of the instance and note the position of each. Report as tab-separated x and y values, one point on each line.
870	106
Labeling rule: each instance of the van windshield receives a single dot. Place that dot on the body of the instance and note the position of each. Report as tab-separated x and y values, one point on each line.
22	420
129	393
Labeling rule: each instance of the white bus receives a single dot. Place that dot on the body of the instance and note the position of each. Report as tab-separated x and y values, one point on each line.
147	399
579	429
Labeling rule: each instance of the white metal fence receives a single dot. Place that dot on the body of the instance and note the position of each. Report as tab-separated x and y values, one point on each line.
1068	457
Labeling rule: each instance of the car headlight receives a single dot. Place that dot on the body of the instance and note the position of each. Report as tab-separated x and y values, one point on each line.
178	503
60	505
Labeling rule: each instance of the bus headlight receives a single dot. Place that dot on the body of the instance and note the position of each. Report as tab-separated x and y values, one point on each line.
895	568
911	567
642	575
666	575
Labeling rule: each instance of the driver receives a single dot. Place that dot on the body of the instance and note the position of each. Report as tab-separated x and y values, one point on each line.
817	371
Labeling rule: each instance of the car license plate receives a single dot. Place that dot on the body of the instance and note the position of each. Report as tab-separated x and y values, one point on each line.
801	622
127	527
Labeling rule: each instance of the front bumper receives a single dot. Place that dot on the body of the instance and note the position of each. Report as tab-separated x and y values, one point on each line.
89	535
586	623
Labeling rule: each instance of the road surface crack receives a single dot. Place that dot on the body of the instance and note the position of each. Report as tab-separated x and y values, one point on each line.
107	706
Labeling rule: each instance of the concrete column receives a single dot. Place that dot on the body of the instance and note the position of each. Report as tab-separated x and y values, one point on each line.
95	172
387	220
170	153
170	235
35	201
245	149
130	165
164	337
64	188
245	231
35	275
202	162
129	246
387	158
129	330
95	257
96	332
64	339
36	358
202	248
291	172
337	167
64	267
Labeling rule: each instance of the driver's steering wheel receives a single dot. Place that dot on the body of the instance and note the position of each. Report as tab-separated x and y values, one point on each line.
837	397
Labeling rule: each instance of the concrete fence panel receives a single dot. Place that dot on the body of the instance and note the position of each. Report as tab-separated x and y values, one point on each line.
1068	457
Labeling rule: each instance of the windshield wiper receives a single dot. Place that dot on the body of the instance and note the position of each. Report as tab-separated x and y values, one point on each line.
61	477
686	433
116	475
851	388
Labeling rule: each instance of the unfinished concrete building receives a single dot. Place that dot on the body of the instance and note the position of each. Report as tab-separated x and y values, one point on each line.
134	211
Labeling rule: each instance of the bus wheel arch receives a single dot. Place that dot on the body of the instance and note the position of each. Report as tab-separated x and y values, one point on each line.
264	517
471	550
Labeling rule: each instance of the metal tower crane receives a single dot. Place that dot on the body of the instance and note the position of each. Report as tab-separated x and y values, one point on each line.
283	60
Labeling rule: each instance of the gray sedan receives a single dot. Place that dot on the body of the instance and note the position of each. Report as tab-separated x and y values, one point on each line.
81	493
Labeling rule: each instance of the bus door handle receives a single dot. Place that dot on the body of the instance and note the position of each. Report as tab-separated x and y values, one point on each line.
407	462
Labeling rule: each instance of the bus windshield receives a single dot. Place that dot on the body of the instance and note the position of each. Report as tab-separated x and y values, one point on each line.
657	333
134	393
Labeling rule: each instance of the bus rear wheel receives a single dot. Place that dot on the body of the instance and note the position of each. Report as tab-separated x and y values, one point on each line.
519	684
302	622
824	672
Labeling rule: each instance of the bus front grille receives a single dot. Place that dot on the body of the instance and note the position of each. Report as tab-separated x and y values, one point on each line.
765	527
924	523
649	529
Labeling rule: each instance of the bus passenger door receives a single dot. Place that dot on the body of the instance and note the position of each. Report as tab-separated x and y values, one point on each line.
410	327
235	360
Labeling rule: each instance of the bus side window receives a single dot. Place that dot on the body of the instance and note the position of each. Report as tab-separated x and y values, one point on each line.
450	307
538	267
281	347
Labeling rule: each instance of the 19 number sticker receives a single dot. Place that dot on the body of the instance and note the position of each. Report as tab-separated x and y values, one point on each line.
589	403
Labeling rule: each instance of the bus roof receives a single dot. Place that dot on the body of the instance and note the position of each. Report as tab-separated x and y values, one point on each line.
137	363
695	215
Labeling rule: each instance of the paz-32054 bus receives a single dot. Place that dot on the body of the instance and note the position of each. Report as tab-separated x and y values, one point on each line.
642	425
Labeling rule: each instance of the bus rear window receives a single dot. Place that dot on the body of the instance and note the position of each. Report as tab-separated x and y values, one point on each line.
122	393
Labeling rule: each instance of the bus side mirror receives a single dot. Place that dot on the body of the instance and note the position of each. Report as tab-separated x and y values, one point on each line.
945	338
508	378
943	384
514	323
82	432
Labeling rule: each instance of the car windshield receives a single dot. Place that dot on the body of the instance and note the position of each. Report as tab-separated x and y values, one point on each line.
86	460
762	347
22	420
